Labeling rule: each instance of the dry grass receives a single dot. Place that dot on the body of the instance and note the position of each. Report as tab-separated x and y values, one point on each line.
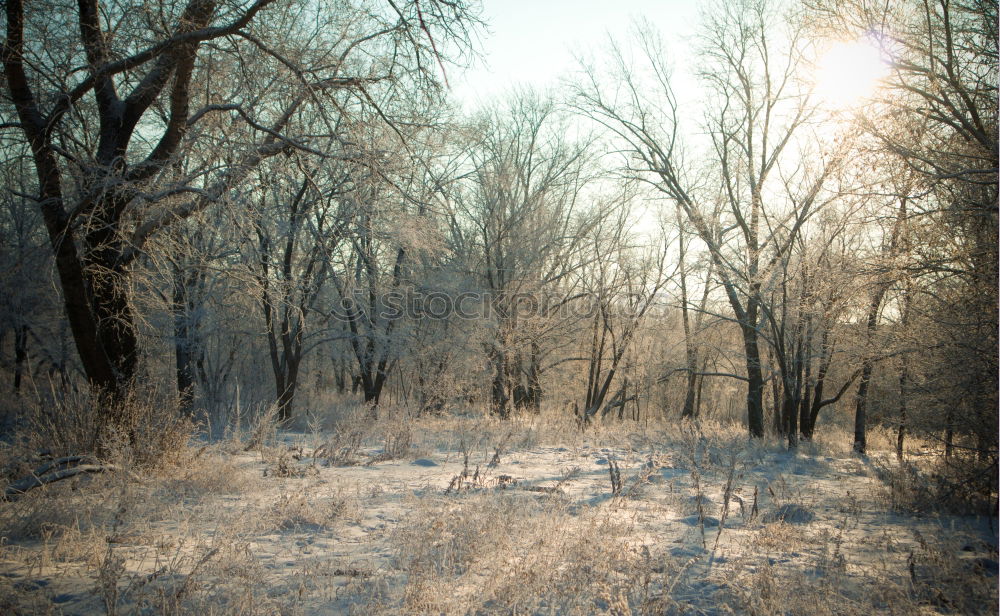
149	430
353	518
511	552
962	486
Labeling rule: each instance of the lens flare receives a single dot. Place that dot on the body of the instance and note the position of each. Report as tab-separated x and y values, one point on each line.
849	73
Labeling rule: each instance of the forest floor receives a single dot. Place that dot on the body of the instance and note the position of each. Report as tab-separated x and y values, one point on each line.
472	515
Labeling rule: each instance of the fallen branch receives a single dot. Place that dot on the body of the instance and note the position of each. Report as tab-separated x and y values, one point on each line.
61	463
42	476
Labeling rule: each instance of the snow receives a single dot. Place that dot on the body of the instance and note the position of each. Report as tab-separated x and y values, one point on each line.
540	530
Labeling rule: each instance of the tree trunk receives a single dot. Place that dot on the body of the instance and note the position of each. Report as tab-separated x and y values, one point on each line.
594	365
499	398
794	395
825	359
339	379
285	360
861	407
702	362
867	366
20	354
95	283
792	399
904	376
809	427
184	358
755	380
690	354
949	431
185	368
777	398
108	281
804	411
901	430
792	424
373	393
806	398
534	382
698	392
286	393
689	410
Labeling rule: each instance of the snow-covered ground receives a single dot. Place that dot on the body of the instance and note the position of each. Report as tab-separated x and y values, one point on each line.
476	516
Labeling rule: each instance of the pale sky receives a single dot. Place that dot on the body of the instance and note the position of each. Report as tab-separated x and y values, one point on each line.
531	42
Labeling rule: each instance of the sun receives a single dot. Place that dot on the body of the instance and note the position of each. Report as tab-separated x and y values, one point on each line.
849	73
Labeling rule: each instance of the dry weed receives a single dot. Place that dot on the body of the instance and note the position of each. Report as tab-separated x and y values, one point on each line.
509	552
298	512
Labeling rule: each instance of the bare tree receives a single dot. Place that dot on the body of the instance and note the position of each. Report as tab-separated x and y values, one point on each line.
23	305
623	282
520	224
692	331
939	117
758	107
389	235
298	221
105	167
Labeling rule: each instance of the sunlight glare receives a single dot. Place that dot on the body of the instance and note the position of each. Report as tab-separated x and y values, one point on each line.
849	73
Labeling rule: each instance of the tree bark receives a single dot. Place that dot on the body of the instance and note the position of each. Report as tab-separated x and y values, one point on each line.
755	378
825	360
20	355
499	397
185	348
861	400
534	380
690	354
95	282
904	375
286	396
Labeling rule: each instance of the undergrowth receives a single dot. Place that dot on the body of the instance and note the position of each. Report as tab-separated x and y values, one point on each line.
641	519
